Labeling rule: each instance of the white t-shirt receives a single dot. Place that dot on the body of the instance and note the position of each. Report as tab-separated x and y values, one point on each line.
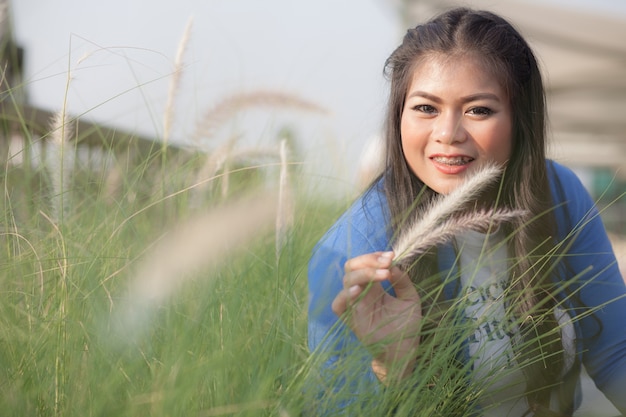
484	271
484	277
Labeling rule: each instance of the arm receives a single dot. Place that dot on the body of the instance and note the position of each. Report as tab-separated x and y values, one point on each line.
335	349
602	292
343	362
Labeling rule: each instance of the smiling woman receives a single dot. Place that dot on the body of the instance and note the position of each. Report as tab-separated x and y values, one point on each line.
466	92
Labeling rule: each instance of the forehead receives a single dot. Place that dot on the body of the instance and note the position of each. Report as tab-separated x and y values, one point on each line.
456	73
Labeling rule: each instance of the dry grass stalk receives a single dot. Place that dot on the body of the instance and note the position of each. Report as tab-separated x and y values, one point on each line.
202	184
174	86
371	162
447	205
442	233
246	155
285	215
61	164
215	117
202	242
115	178
226	163
440	221
215	161
220	160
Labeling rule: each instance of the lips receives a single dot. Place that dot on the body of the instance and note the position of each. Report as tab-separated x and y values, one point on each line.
452	160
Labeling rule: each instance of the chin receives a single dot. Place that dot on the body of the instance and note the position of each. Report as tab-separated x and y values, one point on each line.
446	187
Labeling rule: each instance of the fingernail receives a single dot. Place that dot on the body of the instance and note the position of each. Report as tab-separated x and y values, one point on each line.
354	290
381	273
385	257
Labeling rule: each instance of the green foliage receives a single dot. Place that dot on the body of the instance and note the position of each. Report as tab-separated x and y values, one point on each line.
228	343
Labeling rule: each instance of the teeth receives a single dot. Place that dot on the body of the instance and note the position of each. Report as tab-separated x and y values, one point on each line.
461	160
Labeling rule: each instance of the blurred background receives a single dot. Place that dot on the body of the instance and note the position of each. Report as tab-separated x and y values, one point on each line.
110	65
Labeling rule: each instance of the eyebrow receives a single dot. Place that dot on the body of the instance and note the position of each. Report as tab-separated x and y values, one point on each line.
466	99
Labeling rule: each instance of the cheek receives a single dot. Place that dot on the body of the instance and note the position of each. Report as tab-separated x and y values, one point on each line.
410	146
403	129
499	149
500	143
411	134
405	136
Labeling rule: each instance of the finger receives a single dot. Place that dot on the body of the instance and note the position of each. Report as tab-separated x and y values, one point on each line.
371	267
344	298
403	286
369	260
363	277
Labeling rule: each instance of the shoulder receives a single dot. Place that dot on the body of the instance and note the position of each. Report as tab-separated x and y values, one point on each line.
563	181
580	224
363	227
572	202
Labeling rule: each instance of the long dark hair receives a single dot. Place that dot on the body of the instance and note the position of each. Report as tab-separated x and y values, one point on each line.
502	51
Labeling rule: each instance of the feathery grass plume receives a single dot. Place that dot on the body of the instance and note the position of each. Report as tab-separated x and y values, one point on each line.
174	86
199	243
61	164
247	156
115	178
438	224
428	238
215	117
284	217
205	176
447	205
214	162
371	161
226	163
220	160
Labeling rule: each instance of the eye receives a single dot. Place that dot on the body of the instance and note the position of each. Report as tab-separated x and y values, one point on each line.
425	108
480	111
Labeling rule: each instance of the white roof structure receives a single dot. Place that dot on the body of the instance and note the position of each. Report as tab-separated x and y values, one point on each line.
583	59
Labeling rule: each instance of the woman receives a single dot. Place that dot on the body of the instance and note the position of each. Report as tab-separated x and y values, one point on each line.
541	294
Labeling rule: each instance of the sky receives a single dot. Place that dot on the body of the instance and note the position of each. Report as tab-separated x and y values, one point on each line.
120	55
112	62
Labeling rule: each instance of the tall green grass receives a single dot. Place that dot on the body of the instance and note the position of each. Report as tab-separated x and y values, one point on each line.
228	342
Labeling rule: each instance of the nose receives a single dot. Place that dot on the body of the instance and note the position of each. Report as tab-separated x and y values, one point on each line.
449	129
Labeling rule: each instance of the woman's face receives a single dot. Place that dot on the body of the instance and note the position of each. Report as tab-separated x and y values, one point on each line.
456	118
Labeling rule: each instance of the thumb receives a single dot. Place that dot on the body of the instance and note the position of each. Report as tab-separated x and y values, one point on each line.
403	286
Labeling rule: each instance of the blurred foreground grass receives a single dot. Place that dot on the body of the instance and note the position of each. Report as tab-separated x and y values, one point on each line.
228	342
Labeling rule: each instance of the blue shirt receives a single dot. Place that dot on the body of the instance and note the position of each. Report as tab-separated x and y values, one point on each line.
364	228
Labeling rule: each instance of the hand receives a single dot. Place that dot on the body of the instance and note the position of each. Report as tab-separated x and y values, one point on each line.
387	325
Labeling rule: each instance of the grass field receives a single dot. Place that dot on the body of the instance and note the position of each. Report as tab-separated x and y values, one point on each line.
161	301
75	338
